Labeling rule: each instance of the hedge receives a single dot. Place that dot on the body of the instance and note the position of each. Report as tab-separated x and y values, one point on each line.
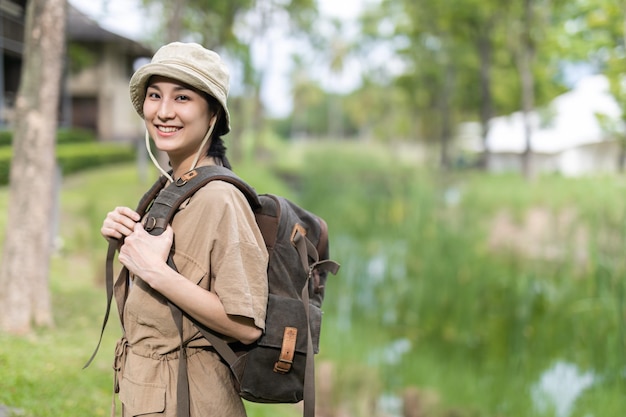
76	157
64	136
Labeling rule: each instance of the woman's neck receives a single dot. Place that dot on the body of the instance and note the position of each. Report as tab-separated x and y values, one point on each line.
184	166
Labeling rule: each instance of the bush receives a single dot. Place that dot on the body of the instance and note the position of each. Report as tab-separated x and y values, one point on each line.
64	136
6	137
5	164
78	157
75	157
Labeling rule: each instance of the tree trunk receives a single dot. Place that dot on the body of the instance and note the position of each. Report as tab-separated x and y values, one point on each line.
621	157
486	99
24	289
525	59
446	114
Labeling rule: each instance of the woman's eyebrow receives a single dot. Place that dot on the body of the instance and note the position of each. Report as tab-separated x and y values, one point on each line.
178	88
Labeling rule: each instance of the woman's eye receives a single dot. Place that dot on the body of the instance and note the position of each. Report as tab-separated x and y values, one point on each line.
182	98
153	95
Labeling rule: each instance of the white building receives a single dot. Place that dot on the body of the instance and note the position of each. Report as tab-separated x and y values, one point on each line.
574	136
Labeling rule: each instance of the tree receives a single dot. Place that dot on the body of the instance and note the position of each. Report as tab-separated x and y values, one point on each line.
232	27
533	26
24	272
525	57
601	25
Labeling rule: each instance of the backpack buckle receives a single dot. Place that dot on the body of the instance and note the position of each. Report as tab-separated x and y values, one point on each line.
184	179
150	224
297	230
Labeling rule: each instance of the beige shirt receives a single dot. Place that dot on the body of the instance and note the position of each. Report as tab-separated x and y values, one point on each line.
218	246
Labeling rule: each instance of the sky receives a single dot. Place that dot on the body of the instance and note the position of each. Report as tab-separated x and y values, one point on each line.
126	18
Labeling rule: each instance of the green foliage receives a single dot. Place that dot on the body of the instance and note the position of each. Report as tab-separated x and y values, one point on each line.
75	135
77	150
424	296
77	154
451	311
316	115
77	157
6	138
5	164
80	57
64	136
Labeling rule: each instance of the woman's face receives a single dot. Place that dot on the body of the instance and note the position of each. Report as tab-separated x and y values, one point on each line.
176	116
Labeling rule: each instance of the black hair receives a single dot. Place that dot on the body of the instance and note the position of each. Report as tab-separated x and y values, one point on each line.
217	149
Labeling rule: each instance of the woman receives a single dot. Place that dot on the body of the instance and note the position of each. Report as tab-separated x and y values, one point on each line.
219	251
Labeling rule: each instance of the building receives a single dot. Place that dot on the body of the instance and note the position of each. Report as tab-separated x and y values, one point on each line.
11	44
99	65
575	135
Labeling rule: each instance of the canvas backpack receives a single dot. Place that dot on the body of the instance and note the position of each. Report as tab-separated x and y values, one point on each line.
279	367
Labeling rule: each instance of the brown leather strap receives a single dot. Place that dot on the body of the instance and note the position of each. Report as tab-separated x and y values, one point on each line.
287	351
121	285
304	247
309	369
150	195
109	288
182	387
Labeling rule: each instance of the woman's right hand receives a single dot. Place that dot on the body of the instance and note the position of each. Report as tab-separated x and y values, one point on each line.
119	223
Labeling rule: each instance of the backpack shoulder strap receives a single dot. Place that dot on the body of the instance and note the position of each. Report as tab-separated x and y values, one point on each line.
114	244
170	198
161	212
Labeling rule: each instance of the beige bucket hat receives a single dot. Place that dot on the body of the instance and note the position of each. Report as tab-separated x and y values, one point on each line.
191	64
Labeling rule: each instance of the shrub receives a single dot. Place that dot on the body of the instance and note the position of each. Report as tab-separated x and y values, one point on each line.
64	136
78	157
75	157
6	136
5	164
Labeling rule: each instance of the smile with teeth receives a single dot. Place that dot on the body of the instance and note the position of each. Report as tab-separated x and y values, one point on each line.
168	129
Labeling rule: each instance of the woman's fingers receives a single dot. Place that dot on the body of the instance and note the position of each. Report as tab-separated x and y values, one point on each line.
119	223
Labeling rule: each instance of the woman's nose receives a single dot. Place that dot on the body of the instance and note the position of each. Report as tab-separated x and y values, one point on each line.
166	110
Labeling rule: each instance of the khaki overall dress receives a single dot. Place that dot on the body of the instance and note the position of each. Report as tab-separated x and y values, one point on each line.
219	247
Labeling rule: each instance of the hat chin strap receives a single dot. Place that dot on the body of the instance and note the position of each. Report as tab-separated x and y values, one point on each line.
154	160
196	159
204	142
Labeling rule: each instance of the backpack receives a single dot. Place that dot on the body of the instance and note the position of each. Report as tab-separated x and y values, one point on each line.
279	366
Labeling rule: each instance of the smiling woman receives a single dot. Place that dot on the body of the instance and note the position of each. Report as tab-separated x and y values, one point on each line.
220	258
179	120
194	81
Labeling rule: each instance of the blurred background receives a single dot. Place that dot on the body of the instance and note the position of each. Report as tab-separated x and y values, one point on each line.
467	155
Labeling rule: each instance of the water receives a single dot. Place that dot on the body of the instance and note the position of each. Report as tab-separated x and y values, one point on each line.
559	387
377	271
